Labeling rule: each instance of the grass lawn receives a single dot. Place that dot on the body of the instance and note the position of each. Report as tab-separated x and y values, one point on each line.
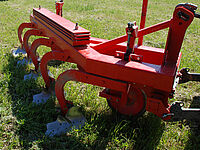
23	124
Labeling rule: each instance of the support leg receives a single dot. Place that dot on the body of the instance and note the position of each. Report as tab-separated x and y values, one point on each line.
34	57
26	38
54	55
20	30
76	75
33	49
59	127
45	95
25	43
20	49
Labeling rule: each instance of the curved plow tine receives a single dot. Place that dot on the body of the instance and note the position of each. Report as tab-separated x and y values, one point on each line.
20	30
58	127
27	36
69	121
26	46
54	55
20	49
34	57
33	49
77	75
69	75
45	95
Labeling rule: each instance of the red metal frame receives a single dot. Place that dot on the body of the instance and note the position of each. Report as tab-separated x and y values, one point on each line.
36	44
27	36
53	55
96	58
143	19
76	75
20	30
59	5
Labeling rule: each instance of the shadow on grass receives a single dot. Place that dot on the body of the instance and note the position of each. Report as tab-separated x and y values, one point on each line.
104	130
31	118
194	137
116	133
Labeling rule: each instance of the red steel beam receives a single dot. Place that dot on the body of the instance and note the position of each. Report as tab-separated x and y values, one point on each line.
154	28
115	41
176	35
143	19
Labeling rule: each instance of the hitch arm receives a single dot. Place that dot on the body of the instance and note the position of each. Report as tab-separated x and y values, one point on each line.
197	15
187	76
179	113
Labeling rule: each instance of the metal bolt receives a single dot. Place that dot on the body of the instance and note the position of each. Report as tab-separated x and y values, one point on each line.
76	26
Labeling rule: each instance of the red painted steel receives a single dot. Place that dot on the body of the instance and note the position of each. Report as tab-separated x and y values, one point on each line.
133	86
75	75
20	30
154	28
132	102
174	42
59	5
36	44
143	20
64	28
53	55
110	43
27	36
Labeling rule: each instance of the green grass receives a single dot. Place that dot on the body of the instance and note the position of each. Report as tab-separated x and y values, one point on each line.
23	124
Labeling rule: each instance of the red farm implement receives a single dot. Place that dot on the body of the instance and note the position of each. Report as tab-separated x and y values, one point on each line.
135	77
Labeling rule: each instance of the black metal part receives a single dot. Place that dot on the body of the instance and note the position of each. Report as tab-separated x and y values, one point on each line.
128	49
76	26
190	7
178	113
130	25
187	76
197	15
183	16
